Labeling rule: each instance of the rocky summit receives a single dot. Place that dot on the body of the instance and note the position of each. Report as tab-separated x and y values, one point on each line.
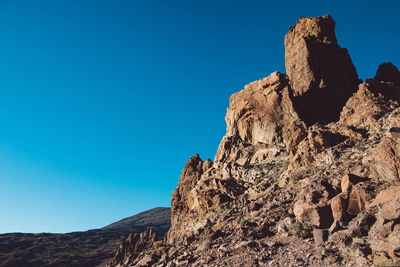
308	173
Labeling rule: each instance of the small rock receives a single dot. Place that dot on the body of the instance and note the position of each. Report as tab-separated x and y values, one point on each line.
320	235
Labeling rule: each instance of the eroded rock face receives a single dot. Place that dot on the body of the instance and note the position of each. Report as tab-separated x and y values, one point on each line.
321	73
132	247
369	104
182	200
260	118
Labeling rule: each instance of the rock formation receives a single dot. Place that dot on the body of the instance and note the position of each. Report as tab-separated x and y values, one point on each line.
307	173
321	73
131	248
260	122
387	72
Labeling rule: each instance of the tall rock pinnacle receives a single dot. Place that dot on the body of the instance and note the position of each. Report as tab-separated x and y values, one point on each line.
321	73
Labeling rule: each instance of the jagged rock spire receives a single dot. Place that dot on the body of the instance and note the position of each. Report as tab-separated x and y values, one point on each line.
321	73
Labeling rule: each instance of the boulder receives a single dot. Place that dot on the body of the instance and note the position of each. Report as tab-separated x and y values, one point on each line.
320	235
389	203
312	207
357	200
386	159
339	206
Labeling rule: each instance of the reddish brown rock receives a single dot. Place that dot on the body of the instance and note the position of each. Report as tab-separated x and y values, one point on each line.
321	73
346	183
349	180
389	203
357	200
369	104
132	247
306	213
339	206
280	157
318	139
312	207
386	158
182	200
260	117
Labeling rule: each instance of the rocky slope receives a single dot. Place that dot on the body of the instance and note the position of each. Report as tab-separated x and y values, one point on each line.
89	248
306	175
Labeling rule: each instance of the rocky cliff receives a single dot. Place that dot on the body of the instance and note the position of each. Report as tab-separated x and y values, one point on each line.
307	173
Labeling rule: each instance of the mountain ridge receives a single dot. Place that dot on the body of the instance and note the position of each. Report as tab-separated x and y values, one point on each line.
88	248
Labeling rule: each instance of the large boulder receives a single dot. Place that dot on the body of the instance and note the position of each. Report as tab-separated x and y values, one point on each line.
321	73
386	159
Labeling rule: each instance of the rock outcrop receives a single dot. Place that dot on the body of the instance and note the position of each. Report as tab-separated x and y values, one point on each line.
260	122
307	173
373	100
387	72
321	73
129	251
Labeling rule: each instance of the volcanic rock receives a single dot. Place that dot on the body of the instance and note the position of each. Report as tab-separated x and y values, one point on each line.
319	70
132	247
339	208
386	156
260	118
183	199
369	104
303	153
387	72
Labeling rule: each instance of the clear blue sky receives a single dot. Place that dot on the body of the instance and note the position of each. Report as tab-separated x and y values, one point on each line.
103	102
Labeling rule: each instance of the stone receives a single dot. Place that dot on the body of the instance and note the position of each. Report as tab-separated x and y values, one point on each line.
387	72
320	235
321	73
394	133
334	227
314	143
389	203
339	206
386	157
346	183
317	215
361	224
357	200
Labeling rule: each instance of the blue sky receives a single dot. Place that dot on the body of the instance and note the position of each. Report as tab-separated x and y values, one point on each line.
103	102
